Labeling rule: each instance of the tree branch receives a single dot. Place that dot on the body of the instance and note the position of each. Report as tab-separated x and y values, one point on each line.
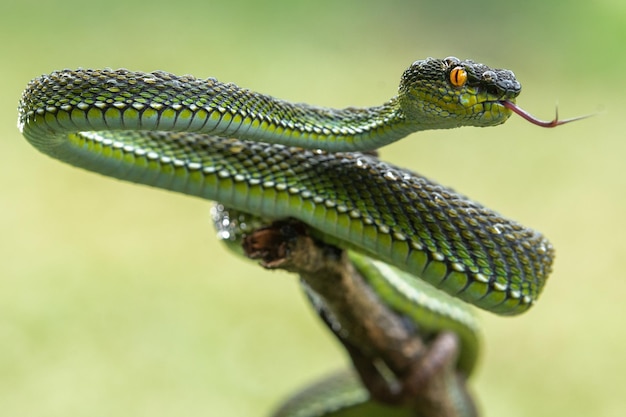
396	364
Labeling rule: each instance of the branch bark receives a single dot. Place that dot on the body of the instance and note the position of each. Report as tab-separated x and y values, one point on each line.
396	364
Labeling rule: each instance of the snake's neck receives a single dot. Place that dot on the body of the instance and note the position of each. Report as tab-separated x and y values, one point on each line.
336	130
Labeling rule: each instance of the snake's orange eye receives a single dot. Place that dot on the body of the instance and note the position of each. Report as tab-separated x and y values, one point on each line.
458	76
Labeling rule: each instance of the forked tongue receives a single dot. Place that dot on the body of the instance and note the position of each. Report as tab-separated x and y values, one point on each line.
543	123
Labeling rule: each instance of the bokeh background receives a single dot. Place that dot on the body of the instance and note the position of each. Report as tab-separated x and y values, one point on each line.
117	300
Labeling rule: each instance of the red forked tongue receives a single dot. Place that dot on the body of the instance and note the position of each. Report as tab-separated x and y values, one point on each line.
532	119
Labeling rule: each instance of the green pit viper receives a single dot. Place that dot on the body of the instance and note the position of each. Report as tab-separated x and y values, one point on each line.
277	159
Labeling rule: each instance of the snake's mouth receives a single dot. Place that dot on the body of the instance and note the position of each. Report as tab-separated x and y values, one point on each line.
532	119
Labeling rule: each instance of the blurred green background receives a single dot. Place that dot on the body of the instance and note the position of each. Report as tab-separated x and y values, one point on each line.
116	299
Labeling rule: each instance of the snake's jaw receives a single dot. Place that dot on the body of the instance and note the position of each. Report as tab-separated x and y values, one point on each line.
492	113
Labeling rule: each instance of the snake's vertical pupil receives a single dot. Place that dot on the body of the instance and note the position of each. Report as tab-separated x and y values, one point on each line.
458	76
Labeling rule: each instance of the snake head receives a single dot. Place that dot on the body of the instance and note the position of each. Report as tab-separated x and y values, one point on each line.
447	93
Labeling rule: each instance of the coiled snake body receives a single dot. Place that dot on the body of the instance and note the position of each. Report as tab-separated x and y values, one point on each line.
276	159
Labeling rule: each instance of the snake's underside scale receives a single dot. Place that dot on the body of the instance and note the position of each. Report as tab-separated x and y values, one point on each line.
277	159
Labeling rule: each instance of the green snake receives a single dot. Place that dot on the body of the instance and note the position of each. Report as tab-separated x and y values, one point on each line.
277	159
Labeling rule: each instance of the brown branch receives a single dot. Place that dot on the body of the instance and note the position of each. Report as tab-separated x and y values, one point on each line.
397	365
